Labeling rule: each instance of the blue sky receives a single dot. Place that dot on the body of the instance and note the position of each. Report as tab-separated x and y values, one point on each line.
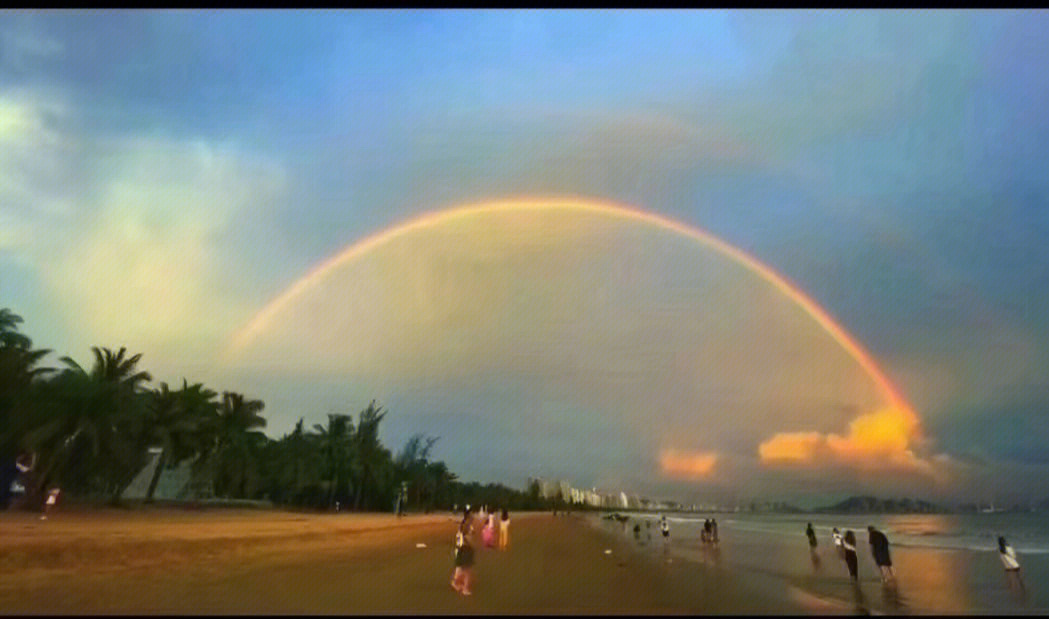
890	163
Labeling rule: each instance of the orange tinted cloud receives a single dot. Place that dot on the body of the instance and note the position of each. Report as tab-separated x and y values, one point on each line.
880	440
792	447
687	465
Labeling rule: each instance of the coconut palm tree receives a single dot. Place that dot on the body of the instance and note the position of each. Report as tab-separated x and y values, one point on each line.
102	408
368	453
336	442
18	374
176	419
412	462
238	438
9	335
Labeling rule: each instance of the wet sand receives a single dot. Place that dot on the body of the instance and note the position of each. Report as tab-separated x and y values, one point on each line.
259	562
930	580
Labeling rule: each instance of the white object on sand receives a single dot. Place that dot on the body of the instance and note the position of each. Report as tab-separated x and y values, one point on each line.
420	545
608	551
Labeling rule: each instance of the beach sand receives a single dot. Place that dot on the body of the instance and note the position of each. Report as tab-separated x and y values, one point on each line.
259	562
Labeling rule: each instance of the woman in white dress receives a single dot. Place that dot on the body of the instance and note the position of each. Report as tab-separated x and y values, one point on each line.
1012	566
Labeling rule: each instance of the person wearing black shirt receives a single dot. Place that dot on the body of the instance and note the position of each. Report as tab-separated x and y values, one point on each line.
880	551
849	545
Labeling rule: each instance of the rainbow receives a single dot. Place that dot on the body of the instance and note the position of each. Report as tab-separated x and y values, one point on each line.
607	209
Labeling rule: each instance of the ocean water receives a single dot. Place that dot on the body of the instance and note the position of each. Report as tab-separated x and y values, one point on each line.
944	563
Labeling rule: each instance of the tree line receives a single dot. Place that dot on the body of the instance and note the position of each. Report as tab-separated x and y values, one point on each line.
90	430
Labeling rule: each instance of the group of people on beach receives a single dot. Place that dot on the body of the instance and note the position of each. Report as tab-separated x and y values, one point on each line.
709	535
846	548
462	578
879	543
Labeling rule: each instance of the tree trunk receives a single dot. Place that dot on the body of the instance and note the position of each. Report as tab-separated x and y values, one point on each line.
161	461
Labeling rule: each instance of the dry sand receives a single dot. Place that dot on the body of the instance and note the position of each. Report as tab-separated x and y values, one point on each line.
258	562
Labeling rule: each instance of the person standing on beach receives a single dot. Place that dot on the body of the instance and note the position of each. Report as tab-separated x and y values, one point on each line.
714	530
464	561
51	502
880	551
811	533
488	534
835	535
23	484
504	530
849	545
1012	566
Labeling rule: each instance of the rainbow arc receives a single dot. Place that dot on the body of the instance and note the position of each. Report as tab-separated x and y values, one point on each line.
264	318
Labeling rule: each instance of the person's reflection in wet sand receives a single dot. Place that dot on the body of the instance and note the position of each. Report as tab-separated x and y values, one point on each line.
710	555
1017	592
858	599
894	602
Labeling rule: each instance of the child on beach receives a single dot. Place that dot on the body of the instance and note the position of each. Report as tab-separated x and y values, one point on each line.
488	534
849	545
504	530
49	504
464	561
836	537
1012	566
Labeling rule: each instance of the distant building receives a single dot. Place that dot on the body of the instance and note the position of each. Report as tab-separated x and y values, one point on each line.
547	489
566	490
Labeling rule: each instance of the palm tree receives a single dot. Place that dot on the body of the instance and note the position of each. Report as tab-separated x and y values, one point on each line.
440	480
18	374
368	452
238	421
336	444
9	335
103	407
413	461
175	421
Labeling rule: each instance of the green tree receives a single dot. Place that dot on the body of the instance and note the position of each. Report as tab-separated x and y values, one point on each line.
368	453
181	422
412	462
336	443
238	440
9	334
18	375
102	410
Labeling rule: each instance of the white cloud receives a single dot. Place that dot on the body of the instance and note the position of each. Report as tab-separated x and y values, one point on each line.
126	234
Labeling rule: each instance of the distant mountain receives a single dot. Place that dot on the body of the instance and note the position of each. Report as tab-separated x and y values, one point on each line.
873	505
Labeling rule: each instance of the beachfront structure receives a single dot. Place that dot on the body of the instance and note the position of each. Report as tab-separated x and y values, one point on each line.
173	484
576	496
566	490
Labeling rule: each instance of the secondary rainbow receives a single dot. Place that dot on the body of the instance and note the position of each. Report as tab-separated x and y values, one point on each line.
608	209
